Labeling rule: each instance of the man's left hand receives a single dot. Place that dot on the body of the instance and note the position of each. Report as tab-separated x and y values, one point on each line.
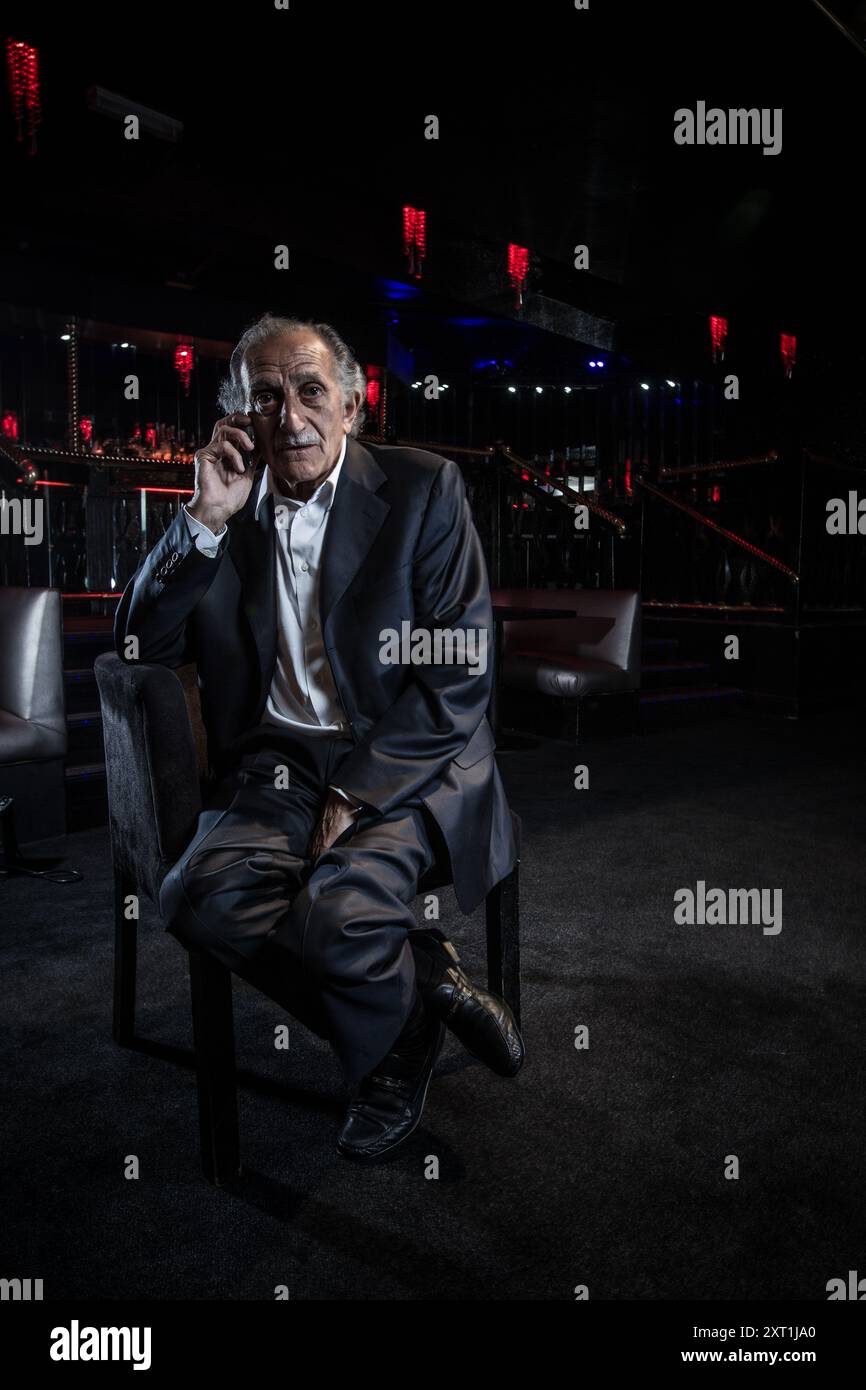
337	815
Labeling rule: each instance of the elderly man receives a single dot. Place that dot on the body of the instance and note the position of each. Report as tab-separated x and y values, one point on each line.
343	773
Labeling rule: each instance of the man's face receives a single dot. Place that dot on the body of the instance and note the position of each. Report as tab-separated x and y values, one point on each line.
297	409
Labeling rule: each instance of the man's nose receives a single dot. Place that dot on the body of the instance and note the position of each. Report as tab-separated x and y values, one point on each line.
291	419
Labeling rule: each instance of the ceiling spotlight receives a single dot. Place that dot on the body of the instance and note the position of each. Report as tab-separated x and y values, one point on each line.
124	344
512	389
415	385
592	364
539	389
644	386
669	382
599	364
567	390
443	386
64	337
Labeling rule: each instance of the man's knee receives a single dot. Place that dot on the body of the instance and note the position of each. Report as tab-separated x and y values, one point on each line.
177	912
343	933
171	894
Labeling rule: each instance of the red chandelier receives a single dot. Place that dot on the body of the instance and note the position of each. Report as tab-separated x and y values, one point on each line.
718	334
375	396
183	364
788	349
414	239
518	267
22	64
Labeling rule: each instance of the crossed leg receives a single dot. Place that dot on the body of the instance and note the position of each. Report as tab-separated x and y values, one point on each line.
329	941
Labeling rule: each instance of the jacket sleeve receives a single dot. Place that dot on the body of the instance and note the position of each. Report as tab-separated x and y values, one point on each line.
435	716
162	594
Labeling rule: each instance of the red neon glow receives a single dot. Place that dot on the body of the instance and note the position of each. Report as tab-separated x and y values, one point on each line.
175	491
43	482
22	66
150	436
718	334
788	349
414	238
628	476
717	493
9	425
518	266
183	364
373	392
85	427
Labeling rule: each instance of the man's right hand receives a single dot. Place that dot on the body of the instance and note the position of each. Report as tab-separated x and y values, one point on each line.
222	478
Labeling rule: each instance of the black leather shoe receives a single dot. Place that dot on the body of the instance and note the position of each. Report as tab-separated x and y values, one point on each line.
484	1023
389	1101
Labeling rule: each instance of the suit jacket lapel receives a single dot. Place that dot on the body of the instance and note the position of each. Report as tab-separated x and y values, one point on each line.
356	517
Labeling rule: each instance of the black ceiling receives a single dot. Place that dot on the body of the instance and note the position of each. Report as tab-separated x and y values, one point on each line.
556	128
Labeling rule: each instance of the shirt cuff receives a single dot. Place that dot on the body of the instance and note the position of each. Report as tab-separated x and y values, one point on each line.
358	805
205	540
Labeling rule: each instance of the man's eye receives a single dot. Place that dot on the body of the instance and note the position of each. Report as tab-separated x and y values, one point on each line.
312	386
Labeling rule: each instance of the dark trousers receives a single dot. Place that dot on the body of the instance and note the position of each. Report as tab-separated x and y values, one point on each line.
329	941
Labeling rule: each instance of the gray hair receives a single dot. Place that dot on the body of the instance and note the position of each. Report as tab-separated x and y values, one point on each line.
232	395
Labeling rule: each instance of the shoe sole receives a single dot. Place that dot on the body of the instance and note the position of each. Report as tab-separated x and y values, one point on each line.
359	1156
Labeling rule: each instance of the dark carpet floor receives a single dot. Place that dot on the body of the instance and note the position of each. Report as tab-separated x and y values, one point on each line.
603	1166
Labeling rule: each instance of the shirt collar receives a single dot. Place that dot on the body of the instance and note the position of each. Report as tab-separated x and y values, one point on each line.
324	493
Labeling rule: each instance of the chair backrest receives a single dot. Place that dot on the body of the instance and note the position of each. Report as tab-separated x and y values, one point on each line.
31	668
607	626
188	677
152	766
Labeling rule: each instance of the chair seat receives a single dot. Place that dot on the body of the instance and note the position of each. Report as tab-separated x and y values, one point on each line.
563	674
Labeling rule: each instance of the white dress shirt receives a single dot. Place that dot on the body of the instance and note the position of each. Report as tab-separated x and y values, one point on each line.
303	695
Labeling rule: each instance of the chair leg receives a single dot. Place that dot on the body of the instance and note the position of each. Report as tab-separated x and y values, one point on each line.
125	952
213	1031
502	913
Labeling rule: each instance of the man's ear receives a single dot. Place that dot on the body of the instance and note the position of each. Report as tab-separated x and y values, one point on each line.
349	420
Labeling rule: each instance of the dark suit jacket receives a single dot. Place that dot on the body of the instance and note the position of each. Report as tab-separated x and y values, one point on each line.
400	545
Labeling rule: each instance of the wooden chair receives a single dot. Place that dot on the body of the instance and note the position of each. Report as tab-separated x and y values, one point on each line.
156	768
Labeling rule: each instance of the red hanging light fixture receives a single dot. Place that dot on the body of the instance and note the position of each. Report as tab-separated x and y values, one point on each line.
788	349
9	426
85	428
415	239
518	267
718	334
22	67
375	400
183	364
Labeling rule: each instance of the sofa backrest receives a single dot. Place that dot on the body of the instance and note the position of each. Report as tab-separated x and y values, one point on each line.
31	667
607	625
